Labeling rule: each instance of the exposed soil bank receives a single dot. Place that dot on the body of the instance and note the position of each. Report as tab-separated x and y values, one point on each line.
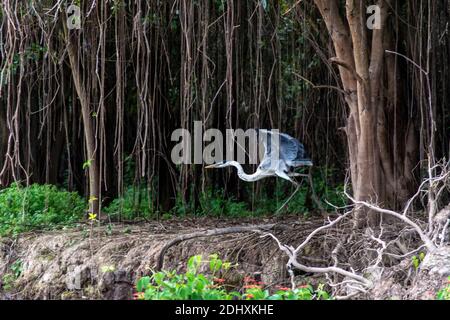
102	263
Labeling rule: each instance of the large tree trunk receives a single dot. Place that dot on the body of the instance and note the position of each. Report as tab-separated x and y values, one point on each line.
363	69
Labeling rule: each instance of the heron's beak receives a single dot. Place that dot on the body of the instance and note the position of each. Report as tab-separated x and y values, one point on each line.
211	166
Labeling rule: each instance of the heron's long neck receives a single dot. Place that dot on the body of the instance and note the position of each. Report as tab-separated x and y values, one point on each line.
244	176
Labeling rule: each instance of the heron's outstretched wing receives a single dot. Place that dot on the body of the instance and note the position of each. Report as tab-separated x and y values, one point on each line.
290	150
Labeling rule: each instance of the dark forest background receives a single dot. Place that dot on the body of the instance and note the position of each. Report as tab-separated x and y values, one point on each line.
137	70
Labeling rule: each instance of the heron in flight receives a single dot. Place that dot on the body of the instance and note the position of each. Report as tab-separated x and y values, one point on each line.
280	159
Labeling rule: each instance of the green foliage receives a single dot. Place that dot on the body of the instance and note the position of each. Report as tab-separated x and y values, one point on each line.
135	203
37	207
215	204
323	178
137	200
169	285
116	6
444	293
9	278
129	167
8	281
254	291
33	53
182	208
302	293
192	285
220	5
301	202
87	164
417	260
151	19
16	268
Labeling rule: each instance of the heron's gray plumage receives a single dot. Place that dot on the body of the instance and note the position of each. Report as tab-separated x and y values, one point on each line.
291	153
282	153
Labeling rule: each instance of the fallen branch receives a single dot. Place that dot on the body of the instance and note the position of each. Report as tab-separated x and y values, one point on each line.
290	252
208	233
427	241
312	234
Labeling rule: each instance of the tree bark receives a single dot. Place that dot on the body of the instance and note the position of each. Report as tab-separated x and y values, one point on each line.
3	136
89	132
362	67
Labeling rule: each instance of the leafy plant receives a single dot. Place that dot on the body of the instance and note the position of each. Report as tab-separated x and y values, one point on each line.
215	204
444	293
255	291
136	202
220	5
417	260
16	268
37	206
192	285
169	285
87	164
8	279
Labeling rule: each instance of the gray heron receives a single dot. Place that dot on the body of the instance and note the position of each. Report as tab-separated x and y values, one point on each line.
279	159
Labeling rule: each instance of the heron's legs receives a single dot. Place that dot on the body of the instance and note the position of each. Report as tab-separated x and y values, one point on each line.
296	174
289	199
284	175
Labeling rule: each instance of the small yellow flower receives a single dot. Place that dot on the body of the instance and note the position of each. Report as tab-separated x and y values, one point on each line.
92	199
108	268
92	216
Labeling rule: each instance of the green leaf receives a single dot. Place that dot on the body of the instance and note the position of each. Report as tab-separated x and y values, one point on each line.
415	262
421	256
193	263
87	164
142	284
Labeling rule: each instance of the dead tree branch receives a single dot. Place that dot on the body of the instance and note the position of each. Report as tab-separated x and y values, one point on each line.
208	233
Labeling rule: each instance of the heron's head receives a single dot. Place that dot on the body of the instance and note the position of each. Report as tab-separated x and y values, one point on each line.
221	164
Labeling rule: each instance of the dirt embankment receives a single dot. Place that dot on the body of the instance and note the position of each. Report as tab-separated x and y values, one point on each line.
104	263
